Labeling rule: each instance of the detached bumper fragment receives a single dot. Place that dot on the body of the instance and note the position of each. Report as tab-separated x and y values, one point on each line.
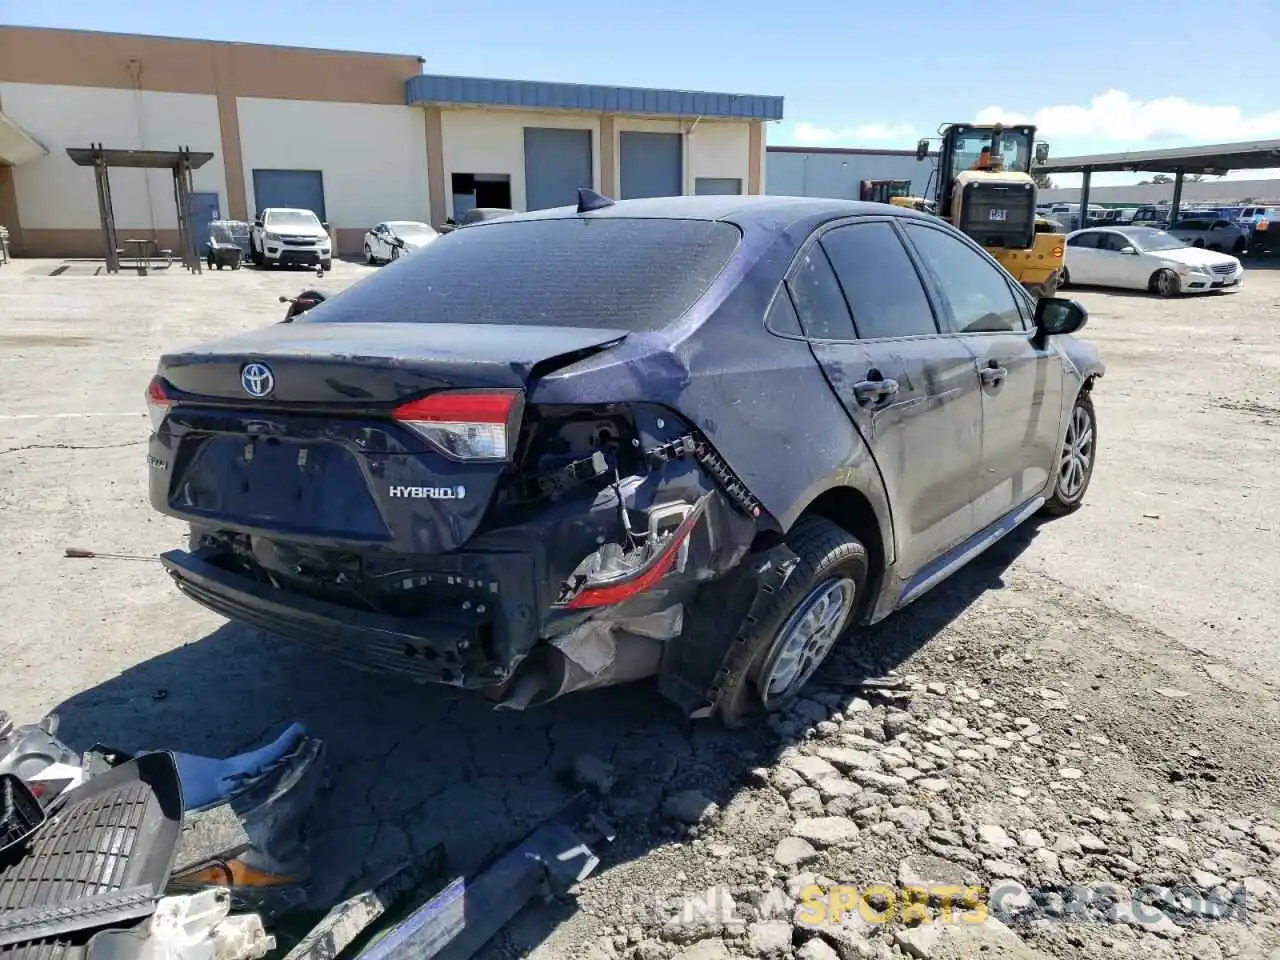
463	917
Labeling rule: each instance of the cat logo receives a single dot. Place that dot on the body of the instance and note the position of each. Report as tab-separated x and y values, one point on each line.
428	493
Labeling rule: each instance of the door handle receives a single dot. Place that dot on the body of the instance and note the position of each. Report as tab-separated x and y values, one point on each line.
874	391
993	376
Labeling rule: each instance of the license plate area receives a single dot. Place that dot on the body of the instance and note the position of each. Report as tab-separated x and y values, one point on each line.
316	488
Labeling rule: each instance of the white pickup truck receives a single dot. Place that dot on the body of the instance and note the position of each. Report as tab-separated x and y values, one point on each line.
285	236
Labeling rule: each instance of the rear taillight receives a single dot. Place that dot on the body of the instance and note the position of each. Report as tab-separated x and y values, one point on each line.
465	424
1057	252
637	581
158	402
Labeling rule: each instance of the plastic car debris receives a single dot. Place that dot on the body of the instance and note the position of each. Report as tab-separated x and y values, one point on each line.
196	927
20	815
27	750
354	917
207	781
459	920
254	841
102	860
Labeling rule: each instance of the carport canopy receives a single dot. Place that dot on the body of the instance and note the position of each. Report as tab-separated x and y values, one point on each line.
179	162
1211	160
16	145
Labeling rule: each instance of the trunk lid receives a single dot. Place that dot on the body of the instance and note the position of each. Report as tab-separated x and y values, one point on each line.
357	364
319	456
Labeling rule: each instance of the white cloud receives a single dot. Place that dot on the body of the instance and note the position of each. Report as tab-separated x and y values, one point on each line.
1116	117
812	135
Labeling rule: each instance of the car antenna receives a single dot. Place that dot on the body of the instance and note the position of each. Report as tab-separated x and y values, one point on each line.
589	200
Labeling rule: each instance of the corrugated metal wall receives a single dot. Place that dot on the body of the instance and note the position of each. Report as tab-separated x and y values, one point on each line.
838	175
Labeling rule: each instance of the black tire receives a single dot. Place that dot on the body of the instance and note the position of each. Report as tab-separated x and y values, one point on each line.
1239	247
1067	498
256	255
326	265
1217	247
369	258
1198	243
829	555
1064	278
1165	283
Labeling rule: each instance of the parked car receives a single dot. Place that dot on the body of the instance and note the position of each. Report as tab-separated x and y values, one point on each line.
1211	233
696	438
1143	258
282	236
391	239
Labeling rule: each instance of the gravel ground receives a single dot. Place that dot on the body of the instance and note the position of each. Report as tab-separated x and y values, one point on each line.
1089	707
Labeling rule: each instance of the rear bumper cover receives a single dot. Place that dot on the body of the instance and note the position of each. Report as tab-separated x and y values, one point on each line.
467	648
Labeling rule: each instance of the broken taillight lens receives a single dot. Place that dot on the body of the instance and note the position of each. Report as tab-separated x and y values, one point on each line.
158	402
645	576
465	424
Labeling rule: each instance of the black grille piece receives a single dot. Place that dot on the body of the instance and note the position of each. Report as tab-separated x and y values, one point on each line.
103	858
999	214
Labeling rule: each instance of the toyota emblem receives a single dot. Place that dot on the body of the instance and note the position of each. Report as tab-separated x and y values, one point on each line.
257	379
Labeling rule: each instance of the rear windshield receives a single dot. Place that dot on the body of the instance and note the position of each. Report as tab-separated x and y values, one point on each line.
630	274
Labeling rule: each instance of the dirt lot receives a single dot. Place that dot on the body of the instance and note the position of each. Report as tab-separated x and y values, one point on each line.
1092	703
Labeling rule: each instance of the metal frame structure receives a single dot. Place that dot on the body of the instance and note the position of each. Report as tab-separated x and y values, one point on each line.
1212	160
180	163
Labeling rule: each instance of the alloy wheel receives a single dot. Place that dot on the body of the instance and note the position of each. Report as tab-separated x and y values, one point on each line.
805	638
1077	454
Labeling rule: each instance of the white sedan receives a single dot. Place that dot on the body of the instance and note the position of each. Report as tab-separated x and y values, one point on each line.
1144	258
392	239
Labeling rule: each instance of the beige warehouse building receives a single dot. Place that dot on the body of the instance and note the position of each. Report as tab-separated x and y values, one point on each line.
358	137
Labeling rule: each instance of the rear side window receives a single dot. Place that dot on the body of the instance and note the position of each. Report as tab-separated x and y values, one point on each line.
1084	240
618	273
879	281
977	293
818	298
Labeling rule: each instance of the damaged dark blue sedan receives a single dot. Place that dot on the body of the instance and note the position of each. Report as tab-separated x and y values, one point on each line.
694	438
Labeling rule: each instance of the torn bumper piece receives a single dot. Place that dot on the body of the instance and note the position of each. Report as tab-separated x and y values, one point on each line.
463	917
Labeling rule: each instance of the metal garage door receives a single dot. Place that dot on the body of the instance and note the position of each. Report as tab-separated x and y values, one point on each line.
650	164
300	189
556	163
718	186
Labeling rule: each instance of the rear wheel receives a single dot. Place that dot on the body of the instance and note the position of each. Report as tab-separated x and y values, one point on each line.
1198	243
1165	283
803	622
368	255
1075	461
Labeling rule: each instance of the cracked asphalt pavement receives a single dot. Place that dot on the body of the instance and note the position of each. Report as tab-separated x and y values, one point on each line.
1166	580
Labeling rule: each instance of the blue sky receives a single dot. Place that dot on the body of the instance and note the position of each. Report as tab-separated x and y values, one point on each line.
1097	75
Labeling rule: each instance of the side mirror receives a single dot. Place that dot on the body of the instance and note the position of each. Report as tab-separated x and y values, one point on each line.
257	223
325	224
1042	152
1130	251
922	149
1058	315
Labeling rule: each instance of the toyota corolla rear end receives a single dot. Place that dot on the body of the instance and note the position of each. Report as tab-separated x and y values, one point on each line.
379	480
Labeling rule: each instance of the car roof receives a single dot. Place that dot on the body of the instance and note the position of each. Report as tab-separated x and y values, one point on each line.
290	210
745	211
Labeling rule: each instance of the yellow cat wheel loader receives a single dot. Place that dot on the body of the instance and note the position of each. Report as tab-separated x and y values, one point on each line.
985	189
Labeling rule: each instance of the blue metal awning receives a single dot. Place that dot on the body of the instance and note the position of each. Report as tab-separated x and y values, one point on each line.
583	97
